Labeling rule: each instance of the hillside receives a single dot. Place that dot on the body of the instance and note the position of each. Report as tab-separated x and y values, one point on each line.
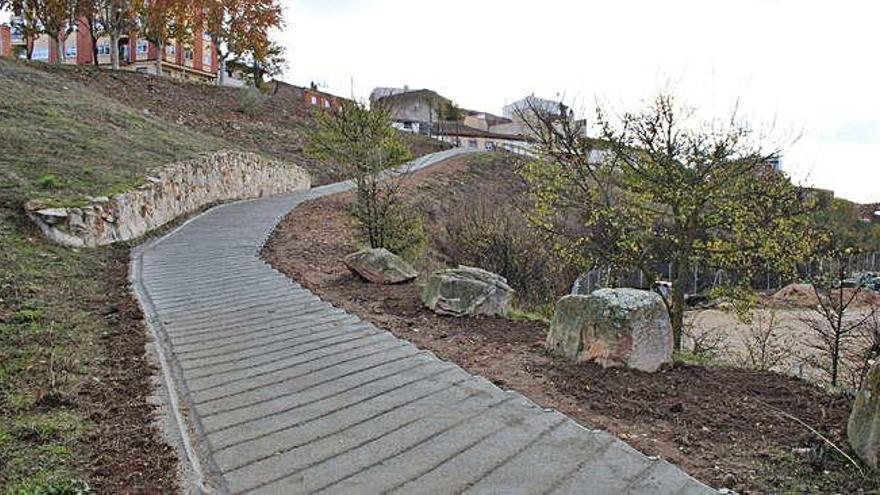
60	141
75	382
273	124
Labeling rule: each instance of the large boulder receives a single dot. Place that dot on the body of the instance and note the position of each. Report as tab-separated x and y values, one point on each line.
467	291
613	327
863	427
380	266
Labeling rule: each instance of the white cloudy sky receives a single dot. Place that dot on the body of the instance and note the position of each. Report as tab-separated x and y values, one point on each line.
809	66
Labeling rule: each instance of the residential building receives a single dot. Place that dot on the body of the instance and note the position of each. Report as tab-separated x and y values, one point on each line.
531	103
315	97
870	212
5	41
775	161
463	136
484	120
194	60
411	110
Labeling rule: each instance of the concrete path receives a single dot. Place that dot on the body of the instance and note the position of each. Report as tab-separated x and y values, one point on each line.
276	391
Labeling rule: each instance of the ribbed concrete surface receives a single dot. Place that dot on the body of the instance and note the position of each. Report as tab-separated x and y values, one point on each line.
277	391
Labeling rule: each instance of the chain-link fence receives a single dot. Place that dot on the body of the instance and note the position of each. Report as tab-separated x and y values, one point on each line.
704	279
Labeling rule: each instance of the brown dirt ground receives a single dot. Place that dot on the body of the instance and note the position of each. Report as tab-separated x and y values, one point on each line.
128	454
719	424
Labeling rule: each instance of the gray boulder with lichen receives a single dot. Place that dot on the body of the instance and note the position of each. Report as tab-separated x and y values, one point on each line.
467	291
613	327
863	427
380	266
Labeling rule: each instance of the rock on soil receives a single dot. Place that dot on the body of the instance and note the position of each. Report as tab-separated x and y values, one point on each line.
613	327
863	428
380	266
467	291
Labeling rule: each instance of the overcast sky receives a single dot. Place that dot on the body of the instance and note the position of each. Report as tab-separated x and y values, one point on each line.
810	67
805	67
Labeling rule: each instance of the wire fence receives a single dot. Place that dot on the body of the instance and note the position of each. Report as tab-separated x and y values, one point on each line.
704	279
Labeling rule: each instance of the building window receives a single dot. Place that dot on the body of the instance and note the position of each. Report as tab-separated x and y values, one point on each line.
170	50
70	52
326	103
40	54
189	54
143	47
206	60
472	143
314	100
104	49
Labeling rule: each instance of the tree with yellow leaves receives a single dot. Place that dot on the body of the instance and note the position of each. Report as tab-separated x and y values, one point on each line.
658	187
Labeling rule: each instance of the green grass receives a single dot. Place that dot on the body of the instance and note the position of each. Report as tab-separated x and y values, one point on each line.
59	142
48	345
820	471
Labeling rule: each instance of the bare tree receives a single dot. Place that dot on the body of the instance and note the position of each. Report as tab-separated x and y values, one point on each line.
835	320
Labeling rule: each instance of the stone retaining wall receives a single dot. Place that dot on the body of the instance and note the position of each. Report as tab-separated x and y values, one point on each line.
175	190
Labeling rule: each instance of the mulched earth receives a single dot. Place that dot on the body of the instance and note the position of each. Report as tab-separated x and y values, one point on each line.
725	426
128	454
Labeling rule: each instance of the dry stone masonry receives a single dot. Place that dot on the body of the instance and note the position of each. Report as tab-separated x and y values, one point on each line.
175	190
613	327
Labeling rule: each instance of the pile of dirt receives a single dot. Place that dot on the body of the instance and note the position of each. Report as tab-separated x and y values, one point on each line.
804	296
727	427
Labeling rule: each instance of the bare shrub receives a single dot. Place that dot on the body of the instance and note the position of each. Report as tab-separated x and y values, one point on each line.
499	239
767	343
836	322
250	99
706	345
865	350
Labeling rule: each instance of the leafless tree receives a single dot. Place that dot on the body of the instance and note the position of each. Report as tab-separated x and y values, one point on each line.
835	320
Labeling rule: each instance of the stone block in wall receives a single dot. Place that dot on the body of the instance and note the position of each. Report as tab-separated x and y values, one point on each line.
168	193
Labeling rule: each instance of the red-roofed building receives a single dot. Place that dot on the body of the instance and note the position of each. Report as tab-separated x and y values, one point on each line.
194	60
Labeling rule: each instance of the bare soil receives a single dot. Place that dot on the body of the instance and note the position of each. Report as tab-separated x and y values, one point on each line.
128	454
725	426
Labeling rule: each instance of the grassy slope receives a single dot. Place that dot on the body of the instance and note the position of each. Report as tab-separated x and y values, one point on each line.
59	141
87	143
274	124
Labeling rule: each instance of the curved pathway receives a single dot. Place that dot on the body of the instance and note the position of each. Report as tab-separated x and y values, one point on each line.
276	391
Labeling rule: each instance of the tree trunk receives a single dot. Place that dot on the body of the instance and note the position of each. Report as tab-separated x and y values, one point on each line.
221	76
114	50
676	310
60	48
94	47
160	52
